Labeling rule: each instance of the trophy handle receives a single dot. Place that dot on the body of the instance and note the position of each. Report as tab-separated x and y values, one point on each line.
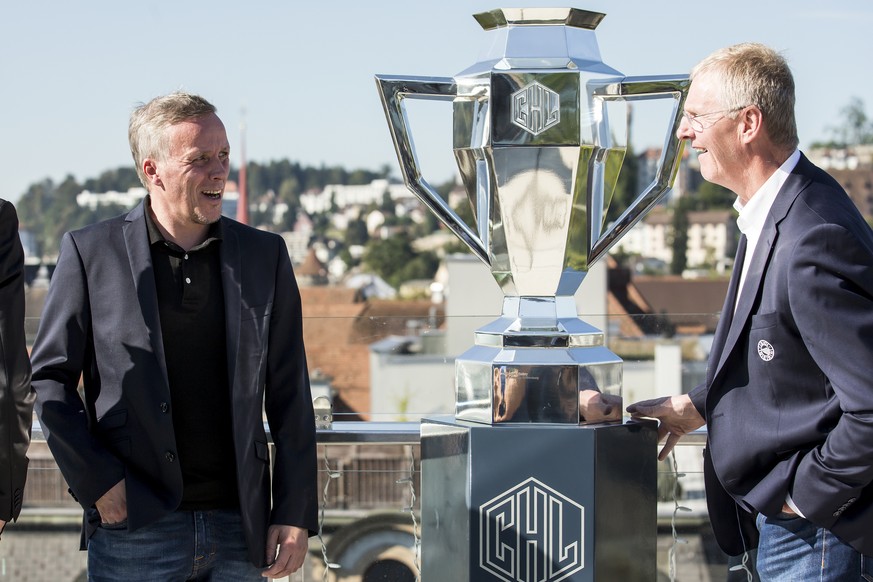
641	89
394	90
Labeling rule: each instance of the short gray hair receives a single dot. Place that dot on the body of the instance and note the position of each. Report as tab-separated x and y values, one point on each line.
149	122
755	74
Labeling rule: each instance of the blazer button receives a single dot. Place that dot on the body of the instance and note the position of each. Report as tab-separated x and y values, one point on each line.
169	456
164	407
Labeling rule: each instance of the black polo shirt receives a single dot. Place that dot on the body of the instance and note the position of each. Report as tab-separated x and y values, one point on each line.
191	305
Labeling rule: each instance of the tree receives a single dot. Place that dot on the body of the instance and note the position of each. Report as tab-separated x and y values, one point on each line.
356	232
711	195
679	238
626	183
856	128
394	260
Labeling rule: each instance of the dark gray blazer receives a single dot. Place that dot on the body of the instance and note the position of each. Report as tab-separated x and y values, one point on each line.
101	322
16	397
788	398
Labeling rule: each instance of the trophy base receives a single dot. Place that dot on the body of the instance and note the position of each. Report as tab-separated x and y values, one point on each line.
542	503
538	385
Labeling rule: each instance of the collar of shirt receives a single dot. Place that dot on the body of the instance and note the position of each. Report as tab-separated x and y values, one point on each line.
155	236
754	213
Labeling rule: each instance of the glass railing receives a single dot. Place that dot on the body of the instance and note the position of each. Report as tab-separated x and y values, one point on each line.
382	374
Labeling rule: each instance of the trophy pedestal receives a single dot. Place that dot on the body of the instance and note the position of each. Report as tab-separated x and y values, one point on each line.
538	502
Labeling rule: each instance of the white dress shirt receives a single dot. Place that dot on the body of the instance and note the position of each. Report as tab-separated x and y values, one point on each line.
754	213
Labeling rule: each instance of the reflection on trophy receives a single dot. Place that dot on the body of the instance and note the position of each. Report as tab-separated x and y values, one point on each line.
540	133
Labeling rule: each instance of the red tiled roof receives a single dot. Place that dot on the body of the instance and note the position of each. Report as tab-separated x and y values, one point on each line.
338	331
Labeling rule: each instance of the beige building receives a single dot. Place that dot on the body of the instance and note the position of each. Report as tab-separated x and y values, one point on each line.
711	238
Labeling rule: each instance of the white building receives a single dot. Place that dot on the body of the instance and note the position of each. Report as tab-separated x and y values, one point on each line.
711	238
343	195
129	199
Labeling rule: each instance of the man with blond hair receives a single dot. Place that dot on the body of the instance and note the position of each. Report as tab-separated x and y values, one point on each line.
788	396
185	327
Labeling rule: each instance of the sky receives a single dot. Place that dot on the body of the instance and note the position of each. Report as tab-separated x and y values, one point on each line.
300	76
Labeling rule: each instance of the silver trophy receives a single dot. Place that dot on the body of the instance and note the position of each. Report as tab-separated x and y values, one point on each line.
540	134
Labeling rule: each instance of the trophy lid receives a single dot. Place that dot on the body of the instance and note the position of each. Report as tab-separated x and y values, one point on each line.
539	16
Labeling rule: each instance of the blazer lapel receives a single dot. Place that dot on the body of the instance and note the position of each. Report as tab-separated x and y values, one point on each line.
727	311
793	186
752	283
231	281
139	255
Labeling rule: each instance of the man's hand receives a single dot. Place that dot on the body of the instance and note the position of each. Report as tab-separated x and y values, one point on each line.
113	505
292	543
677	416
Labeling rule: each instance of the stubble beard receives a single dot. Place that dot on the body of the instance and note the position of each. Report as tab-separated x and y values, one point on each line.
200	218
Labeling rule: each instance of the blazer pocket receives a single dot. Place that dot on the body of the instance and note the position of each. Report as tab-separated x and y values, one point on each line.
262	451
763	320
114	419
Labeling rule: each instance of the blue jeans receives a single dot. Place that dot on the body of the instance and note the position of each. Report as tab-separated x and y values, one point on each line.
184	545
791	549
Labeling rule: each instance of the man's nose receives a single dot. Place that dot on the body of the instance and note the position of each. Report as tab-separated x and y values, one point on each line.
220	169
684	131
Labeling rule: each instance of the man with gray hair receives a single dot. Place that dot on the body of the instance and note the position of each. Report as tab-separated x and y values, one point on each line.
788	395
185	328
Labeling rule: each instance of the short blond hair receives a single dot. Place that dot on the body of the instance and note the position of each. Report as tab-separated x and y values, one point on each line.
754	74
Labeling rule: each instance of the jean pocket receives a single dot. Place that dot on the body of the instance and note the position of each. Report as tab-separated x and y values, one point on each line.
784	515
117	526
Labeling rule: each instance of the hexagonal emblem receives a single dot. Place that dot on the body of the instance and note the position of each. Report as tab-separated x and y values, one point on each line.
536	108
531	533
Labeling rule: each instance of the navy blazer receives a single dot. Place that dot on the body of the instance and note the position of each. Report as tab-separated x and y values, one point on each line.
101	322
788	398
16	397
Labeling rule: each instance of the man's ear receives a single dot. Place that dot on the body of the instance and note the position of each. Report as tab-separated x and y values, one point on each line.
150	170
752	124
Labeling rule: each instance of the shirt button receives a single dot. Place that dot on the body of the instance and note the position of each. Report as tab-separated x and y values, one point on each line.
186	256
164	407
188	280
170	456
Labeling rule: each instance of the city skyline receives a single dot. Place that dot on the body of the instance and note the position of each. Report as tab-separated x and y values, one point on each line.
301	77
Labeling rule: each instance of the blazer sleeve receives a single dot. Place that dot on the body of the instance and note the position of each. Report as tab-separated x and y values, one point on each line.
62	350
16	397
831	298
288	406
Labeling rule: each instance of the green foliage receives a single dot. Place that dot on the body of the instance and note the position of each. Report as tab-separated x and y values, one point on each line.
855	127
118	180
679	237
395	261
48	210
626	185
711	196
356	233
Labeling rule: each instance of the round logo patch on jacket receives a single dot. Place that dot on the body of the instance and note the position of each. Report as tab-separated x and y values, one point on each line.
766	350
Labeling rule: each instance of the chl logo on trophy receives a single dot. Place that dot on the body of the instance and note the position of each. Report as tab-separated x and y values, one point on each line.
531	532
536	108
